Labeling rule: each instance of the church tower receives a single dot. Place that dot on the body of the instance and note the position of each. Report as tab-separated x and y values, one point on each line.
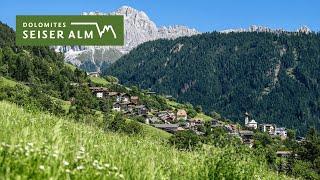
246	118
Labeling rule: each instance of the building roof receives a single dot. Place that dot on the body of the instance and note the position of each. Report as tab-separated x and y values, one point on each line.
113	93
181	112
180	129
116	104
140	107
252	122
91	73
98	89
154	119
126	103
284	152
134	97
194	120
246	132
281	129
124	94
264	124
166	125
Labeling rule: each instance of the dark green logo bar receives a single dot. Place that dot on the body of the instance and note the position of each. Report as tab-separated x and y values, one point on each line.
70	30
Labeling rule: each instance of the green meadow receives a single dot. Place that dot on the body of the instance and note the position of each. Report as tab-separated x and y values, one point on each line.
36	145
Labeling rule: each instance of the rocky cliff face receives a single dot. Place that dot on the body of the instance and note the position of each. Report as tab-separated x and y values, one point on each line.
138	29
256	28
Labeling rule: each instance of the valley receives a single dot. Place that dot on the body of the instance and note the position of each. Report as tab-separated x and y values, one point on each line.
172	103
233	73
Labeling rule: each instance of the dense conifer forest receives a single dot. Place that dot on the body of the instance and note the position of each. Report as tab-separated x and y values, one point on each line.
274	76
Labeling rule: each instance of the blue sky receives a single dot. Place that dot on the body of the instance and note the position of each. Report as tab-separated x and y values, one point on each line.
204	15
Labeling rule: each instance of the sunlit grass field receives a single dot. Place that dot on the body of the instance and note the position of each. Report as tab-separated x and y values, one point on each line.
40	146
99	80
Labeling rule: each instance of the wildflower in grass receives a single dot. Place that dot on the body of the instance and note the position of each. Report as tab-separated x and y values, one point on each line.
20	149
82	149
80	167
41	167
5	145
68	171
95	162
55	155
79	157
121	176
107	165
65	163
99	167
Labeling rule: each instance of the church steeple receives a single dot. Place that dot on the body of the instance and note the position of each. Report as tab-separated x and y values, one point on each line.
246	118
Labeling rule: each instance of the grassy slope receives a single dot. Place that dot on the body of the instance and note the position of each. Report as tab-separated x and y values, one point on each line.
99	80
38	146
71	66
149	130
203	117
11	83
7	82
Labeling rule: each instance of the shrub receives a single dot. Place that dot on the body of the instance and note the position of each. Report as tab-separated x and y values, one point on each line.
119	124
132	127
185	140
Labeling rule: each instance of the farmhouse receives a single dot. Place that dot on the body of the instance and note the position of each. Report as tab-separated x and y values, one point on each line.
140	110
114	95
281	132
284	154
172	128
124	97
166	116
99	92
193	123
152	120
247	137
93	74
216	123
268	128
116	107
135	100
182	115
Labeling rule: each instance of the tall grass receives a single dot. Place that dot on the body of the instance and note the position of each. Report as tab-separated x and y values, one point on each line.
41	146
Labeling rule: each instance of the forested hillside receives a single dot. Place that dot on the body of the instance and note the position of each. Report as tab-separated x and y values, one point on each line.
55	126
273	76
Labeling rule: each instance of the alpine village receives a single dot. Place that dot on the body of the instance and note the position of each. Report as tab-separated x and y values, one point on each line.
220	105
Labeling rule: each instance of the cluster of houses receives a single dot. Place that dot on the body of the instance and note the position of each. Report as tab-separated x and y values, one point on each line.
168	120
123	102
271	129
178	120
175	121
251	125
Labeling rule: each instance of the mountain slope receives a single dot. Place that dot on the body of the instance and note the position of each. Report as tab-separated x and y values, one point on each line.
138	29
41	146
273	76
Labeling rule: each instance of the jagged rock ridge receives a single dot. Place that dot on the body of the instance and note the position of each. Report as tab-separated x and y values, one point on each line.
138	29
257	28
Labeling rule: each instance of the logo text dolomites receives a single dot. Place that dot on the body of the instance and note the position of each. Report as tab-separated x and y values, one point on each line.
70	30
